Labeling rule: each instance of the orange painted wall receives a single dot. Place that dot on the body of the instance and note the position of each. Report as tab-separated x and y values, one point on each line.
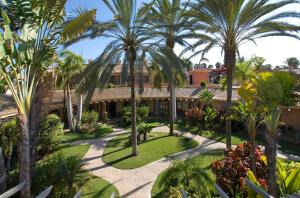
199	75
291	117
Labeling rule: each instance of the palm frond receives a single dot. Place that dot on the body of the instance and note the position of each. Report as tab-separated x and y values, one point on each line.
79	24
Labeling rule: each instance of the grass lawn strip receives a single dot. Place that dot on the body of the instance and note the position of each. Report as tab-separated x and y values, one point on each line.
118	150
100	131
95	187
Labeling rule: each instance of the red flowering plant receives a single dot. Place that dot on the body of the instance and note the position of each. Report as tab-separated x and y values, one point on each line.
231	171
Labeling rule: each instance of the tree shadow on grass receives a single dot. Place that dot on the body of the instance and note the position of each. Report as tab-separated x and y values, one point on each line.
120	159
101	192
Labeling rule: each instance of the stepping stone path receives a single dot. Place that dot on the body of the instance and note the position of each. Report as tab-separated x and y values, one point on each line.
138	182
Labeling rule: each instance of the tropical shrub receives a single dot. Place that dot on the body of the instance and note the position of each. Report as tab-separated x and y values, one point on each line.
51	131
9	133
210	115
66	176
142	114
174	193
143	129
126	115
288	177
89	118
231	171
188	176
194	115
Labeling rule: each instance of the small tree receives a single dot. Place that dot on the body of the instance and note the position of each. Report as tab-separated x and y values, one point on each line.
205	98
272	90
9	133
292	62
51	131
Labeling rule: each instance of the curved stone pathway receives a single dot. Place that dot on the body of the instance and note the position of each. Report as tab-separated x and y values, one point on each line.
138	182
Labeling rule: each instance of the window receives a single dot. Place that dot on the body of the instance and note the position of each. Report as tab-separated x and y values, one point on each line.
163	107
179	105
191	79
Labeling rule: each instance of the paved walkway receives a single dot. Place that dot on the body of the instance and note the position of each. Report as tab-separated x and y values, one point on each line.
137	183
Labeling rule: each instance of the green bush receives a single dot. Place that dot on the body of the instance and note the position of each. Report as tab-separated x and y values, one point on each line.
126	115
143	129
210	115
50	134
9	133
89	117
66	176
142	114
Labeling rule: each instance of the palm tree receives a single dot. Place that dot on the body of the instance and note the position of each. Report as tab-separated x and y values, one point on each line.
128	42
230	23
274	90
167	25
21	65
71	66
186	172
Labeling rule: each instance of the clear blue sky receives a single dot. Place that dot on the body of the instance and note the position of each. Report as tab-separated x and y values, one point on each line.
275	49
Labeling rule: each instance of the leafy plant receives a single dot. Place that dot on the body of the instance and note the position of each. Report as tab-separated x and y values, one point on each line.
288	177
51	131
190	177
231	171
205	98
210	115
66	176
194	115
143	129
9	133
90	118
142	114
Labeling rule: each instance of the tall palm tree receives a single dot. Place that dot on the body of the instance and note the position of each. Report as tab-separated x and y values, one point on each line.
230	23
128	42
168	26
70	66
25	65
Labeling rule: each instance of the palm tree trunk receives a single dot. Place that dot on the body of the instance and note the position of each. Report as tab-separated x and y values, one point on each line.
24	154
2	173
70	109
229	61
172	108
252	155
79	111
271	147
133	105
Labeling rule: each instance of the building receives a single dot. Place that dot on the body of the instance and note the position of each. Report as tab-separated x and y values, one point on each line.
205	75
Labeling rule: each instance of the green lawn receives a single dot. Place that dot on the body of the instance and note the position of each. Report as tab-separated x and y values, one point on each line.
100	131
118	150
237	137
95	187
203	160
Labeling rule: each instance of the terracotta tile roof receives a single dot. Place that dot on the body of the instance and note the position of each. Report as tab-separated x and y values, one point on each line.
8	107
121	93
